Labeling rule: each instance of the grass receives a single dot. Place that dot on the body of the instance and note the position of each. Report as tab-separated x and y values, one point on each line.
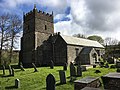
30	80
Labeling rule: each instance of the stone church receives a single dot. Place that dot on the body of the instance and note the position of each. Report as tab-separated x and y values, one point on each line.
40	44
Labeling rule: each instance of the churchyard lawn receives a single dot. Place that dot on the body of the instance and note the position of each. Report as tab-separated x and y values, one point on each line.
30	80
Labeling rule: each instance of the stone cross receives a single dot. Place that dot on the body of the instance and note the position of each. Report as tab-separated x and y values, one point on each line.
65	66
62	77
51	64
10	70
50	82
35	69
79	70
3	70
72	70
17	83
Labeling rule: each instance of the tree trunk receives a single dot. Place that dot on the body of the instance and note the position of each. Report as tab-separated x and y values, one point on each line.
1	46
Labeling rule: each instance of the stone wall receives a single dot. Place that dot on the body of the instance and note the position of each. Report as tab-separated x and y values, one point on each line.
60	51
71	53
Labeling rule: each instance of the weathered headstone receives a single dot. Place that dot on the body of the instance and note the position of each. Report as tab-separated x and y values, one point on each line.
62	77
65	66
118	64
111	81
94	66
10	70
21	67
17	83
12	74
3	70
72	69
79	71
83	68
51	64
87	82
35	69
50	82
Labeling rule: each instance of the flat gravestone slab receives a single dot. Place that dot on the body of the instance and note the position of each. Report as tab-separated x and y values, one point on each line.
87	82
91	88
113	75
111	81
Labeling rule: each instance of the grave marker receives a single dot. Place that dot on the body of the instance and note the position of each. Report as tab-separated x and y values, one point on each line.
17	83
3	70
10	70
35	69
79	71
51	64
62	77
65	66
50	82
72	70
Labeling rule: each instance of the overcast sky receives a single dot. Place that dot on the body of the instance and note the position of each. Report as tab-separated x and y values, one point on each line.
89	17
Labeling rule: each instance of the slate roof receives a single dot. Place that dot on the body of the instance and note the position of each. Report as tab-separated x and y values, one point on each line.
86	50
80	41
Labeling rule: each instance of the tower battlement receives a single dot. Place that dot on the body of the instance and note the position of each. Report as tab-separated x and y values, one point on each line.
38	14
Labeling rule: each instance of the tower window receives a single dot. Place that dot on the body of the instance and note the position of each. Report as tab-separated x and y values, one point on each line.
45	27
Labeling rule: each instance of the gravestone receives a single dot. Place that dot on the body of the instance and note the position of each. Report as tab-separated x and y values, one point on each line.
65	66
94	66
111	81
50	82
87	82
118	64
72	69
83	68
12	74
35	69
51	64
79	71
62	77
21	67
17	83
3	69
10	70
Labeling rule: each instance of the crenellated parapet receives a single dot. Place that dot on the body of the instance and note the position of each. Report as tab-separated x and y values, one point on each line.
38	14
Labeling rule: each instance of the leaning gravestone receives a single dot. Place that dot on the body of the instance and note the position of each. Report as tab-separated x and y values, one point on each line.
62	77
21	67
72	70
51	64
50	82
10	70
3	70
17	83
35	69
65	66
79	71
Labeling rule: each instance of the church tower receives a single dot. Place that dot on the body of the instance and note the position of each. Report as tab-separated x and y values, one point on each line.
37	27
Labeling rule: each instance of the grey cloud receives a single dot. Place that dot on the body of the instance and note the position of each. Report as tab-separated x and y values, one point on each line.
100	15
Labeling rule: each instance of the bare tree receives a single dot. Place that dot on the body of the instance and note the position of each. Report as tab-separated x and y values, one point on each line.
15	29
111	41
4	19
79	35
